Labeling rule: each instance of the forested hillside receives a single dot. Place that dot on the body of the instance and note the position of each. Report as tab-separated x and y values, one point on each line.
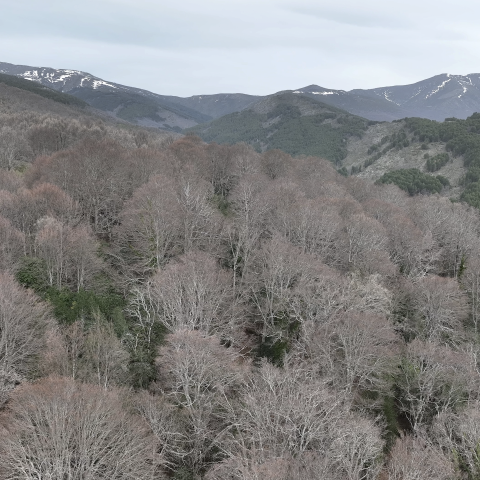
176	309
417	154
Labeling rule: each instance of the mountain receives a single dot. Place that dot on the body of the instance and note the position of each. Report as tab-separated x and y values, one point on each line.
435	98
364	105
296	124
133	104
41	90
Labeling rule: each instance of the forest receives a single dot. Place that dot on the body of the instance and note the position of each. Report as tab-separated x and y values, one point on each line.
172	309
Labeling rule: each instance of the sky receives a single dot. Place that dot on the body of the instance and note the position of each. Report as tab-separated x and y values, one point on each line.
194	47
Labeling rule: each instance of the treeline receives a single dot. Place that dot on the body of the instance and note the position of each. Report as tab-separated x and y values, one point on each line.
172	309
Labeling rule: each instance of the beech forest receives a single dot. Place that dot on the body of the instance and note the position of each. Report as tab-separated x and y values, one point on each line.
172	309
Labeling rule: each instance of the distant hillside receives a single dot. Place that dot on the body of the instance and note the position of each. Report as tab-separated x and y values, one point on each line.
133	104
450	149
295	124
41	90
36	121
435	98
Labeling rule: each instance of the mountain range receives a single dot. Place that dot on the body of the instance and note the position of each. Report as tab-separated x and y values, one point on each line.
435	98
417	154
133	104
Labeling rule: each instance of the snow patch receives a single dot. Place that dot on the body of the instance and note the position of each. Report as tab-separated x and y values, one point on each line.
97	83
297	91
325	93
385	94
439	87
462	84
31	75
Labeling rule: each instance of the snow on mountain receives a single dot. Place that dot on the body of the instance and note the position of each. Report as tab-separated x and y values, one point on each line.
438	97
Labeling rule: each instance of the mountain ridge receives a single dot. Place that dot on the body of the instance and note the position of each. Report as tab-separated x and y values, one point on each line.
436	98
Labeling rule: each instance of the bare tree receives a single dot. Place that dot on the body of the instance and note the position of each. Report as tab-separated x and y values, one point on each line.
415	458
150	229
357	448
69	253
356	349
432	379
104	355
191	293
274	163
23	322
441	306
362	241
286	411
470	280
12	147
299	467
94	355
10	181
200	377
25	207
458	434
279	267
12	245
250	207
89	435
166	217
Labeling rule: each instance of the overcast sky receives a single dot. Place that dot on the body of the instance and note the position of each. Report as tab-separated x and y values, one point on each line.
190	47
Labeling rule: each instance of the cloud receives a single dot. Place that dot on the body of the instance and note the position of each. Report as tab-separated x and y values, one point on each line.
246	46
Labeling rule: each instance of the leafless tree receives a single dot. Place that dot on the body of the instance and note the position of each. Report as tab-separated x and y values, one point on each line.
470	280
150	229
190	293
458	434
250	207
69	253
104	355
89	434
199	376
356	349
441	306
415	458
432	379
363	239
10	181
309	465
12	245
357	448
275	163
23	322
12	147
279	267
286	411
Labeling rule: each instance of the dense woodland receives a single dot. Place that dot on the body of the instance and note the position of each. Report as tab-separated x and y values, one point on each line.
176	309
